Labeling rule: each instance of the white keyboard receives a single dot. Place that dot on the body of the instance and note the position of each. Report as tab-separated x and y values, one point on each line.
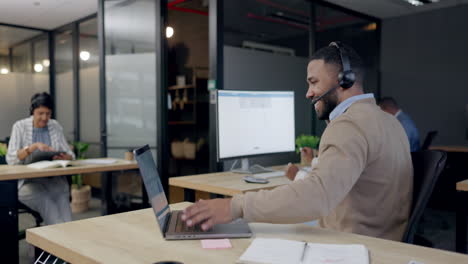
268	175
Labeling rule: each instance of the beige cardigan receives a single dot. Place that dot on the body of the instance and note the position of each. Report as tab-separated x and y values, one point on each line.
362	183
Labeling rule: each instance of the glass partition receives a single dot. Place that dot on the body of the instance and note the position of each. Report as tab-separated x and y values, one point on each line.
130	63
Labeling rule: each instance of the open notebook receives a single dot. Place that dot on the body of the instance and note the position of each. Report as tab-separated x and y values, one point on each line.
47	164
276	251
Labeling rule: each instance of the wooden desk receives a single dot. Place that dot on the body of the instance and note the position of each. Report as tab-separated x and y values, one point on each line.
223	183
461	217
134	237
16	172
9	174
463	149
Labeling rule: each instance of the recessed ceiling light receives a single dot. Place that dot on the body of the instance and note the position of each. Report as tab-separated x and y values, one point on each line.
4	71
420	2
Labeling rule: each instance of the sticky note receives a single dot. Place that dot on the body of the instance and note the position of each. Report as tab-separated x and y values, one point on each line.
216	243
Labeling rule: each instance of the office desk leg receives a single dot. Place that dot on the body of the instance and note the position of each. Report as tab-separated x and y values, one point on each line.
176	194
460	226
107	202
9	221
202	195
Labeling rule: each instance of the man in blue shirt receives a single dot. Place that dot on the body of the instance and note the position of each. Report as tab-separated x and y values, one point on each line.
390	106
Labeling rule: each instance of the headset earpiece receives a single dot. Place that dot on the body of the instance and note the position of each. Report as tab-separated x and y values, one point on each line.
347	77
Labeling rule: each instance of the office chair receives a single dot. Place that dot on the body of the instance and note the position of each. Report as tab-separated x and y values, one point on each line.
427	166
24	209
428	140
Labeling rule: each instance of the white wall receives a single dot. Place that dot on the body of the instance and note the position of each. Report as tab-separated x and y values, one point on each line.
15	97
65	103
424	61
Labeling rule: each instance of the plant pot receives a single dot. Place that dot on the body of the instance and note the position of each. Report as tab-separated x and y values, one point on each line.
80	198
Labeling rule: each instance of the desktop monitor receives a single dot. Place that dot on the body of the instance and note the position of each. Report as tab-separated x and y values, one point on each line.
251	123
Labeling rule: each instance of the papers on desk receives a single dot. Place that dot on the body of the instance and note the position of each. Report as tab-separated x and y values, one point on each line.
98	161
278	251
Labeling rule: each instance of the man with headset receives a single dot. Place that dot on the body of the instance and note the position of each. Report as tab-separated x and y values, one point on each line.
363	181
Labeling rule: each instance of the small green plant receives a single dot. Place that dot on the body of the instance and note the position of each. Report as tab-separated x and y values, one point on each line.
307	141
3	150
80	150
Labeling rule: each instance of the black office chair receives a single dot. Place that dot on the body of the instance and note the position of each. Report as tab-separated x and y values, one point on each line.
427	167
429	139
24	209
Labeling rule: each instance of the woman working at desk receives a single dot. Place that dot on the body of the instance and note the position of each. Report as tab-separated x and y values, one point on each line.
48	196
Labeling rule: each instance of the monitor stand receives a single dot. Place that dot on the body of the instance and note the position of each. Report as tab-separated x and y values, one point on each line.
246	169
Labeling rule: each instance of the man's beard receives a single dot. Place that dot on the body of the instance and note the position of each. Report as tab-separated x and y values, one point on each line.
329	102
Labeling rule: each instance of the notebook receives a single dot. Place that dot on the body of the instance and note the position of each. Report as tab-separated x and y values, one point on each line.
47	164
171	225
276	251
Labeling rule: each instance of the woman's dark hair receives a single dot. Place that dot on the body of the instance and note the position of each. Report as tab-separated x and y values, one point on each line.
41	99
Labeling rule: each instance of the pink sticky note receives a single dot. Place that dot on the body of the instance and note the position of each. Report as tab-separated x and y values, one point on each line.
216	243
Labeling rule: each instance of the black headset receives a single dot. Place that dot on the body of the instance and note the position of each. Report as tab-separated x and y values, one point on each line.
347	77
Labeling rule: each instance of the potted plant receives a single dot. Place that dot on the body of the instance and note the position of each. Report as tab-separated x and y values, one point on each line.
3	152
81	194
307	141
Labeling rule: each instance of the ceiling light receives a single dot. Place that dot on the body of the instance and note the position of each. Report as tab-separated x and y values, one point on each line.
4	71
420	2
46	63
370	27
415	2
85	55
38	67
169	32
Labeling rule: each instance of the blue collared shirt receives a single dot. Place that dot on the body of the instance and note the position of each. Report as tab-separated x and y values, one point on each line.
343	106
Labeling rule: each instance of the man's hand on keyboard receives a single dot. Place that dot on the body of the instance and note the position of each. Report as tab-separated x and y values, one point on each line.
208	213
291	171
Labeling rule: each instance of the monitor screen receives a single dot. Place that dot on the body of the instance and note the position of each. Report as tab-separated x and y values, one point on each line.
254	122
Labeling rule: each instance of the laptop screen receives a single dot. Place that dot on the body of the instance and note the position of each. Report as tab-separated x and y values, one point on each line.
153	185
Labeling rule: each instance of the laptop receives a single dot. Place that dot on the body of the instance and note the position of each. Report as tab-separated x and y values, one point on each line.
170	222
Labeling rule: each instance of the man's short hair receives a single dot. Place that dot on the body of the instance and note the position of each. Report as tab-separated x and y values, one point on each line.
331	55
388	102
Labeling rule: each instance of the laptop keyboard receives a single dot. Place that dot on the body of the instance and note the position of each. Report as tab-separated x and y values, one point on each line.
182	227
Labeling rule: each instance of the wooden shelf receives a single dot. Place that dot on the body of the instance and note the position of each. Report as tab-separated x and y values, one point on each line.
181	123
177	87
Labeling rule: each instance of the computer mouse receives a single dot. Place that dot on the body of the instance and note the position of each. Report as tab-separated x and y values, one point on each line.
251	179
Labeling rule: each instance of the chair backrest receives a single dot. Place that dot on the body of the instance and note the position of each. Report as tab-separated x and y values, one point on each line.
428	140
427	166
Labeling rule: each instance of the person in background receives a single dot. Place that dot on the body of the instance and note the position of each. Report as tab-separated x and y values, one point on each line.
389	105
48	196
363	180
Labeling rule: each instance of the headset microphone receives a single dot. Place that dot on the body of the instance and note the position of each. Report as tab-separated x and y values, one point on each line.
315	100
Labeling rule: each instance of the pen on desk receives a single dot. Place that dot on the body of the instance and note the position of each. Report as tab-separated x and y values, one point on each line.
303	251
